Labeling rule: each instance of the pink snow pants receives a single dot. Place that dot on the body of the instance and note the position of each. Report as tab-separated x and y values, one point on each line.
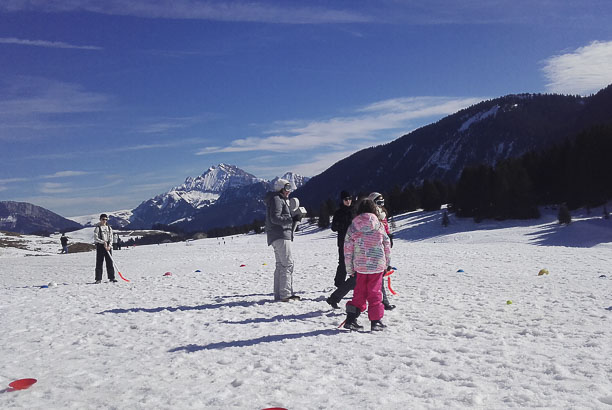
368	289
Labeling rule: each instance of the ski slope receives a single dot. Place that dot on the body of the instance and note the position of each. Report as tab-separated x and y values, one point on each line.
214	339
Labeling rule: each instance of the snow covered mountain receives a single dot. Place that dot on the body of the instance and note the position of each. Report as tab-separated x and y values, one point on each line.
235	192
23	217
237	207
118	219
483	134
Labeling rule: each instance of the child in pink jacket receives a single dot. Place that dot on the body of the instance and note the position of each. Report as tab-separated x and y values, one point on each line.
367	254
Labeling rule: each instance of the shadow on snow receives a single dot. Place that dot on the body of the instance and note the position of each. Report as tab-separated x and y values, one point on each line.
209	306
186	308
580	233
280	318
191	348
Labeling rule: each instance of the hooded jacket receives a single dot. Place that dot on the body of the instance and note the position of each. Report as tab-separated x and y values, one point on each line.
367	248
279	223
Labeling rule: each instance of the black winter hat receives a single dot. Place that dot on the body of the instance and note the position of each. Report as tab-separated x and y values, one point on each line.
345	194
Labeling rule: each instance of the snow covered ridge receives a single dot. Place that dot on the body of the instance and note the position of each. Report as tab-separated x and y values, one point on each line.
209	336
197	195
205	189
117	218
479	117
179	204
217	179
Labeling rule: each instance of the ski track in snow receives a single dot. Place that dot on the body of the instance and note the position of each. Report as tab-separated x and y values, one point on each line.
215	339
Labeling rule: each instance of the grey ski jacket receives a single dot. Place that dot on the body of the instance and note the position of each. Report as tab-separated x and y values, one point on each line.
279	223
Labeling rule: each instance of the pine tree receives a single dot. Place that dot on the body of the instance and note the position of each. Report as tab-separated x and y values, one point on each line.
564	215
432	200
445	219
323	216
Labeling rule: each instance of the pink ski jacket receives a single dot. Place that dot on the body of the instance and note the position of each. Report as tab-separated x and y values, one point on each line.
367	248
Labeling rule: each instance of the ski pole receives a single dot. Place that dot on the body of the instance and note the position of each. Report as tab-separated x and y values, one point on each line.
115	265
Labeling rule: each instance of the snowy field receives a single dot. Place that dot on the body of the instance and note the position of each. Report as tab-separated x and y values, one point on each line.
210	337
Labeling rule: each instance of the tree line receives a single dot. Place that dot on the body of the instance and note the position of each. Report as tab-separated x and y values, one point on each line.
571	175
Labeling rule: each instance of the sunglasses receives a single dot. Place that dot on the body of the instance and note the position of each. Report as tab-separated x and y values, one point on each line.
348	198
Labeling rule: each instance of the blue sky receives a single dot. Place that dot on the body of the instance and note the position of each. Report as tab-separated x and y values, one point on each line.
104	104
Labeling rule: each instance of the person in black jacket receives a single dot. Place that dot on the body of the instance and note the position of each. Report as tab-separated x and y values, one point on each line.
345	286
340	223
64	242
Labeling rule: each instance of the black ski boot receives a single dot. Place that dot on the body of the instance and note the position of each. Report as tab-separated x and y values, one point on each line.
352	313
332	303
388	306
377	325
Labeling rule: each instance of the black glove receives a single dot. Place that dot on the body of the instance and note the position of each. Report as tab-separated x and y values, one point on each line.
297	218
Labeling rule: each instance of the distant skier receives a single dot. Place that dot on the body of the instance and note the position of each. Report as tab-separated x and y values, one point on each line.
279	232
64	242
367	252
103	238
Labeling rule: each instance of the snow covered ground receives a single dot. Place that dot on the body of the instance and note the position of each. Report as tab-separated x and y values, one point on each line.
210	336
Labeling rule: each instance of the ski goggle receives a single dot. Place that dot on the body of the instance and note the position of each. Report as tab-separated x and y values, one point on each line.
380	202
287	188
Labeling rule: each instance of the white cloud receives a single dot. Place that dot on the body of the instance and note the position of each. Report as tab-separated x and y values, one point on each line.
319	163
45	43
54	188
28	96
34	106
63	174
583	71
556	13
241	11
11	180
389	118
164	125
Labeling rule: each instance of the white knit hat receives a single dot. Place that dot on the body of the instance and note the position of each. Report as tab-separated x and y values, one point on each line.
281	183
373	196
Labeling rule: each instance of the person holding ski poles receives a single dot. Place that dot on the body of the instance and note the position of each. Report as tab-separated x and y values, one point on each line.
367	254
103	238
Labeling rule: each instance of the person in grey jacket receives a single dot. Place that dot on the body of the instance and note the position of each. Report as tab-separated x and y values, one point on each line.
103	238
279	232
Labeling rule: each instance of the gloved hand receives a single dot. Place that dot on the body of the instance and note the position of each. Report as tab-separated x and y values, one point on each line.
297	218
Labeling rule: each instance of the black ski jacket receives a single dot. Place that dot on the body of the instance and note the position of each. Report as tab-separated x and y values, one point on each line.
341	221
